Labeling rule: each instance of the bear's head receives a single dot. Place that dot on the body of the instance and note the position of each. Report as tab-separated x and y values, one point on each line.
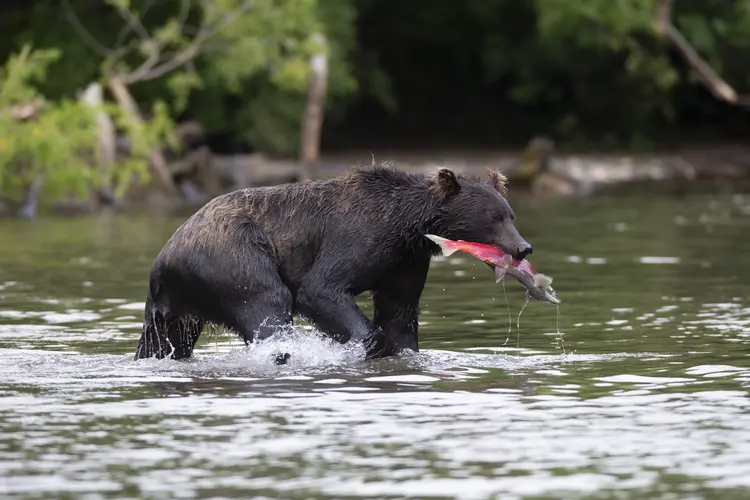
474	209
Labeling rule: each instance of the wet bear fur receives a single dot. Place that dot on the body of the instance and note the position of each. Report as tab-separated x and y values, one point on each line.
251	259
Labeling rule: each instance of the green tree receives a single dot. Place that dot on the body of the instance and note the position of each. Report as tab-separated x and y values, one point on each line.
55	144
204	54
618	55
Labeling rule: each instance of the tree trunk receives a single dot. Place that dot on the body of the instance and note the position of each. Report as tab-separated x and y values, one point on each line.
93	97
312	121
156	158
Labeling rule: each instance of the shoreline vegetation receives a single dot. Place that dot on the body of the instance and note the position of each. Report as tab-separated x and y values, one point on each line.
199	174
137	105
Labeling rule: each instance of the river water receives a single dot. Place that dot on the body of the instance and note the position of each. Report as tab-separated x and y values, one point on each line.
645	396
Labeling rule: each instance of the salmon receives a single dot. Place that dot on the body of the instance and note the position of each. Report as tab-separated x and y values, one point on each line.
538	285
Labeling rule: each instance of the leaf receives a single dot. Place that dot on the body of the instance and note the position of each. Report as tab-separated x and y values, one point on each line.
292	75
181	84
119	4
61	143
169	33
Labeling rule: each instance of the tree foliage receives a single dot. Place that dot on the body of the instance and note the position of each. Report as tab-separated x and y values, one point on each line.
204	54
58	144
582	36
256	87
594	72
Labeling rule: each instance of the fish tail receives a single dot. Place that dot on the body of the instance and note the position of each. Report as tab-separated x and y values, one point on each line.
446	245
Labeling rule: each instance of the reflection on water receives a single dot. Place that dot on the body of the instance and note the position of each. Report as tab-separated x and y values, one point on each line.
649	399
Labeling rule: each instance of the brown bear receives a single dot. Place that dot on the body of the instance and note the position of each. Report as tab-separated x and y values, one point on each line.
250	259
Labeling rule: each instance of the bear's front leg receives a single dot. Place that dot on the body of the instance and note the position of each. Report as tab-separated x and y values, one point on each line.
336	314
399	319
397	305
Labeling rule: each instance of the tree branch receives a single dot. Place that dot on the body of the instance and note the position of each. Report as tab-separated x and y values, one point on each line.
149	70
182	17
130	107
85	34
718	87
127	28
155	65
135	23
153	47
146	66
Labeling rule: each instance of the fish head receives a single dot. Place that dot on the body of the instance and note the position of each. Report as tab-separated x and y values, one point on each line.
544	283
551	296
542	280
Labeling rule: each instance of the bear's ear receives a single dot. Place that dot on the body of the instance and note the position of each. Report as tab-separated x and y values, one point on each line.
445	183
499	181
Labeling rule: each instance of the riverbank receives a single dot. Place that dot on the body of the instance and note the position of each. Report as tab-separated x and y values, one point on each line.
595	169
538	169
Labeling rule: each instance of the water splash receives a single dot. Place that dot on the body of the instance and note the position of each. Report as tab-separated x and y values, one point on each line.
308	349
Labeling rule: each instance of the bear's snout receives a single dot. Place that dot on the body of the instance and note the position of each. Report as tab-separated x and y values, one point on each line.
524	250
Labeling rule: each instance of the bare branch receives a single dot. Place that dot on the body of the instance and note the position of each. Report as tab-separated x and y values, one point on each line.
157	64
149	72
125	99
128	28
85	34
154	47
183	15
718	87
148	65
135	23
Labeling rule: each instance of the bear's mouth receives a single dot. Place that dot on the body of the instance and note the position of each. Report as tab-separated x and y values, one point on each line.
507	251
518	255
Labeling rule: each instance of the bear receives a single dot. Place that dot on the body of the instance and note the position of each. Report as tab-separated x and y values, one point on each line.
250	259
